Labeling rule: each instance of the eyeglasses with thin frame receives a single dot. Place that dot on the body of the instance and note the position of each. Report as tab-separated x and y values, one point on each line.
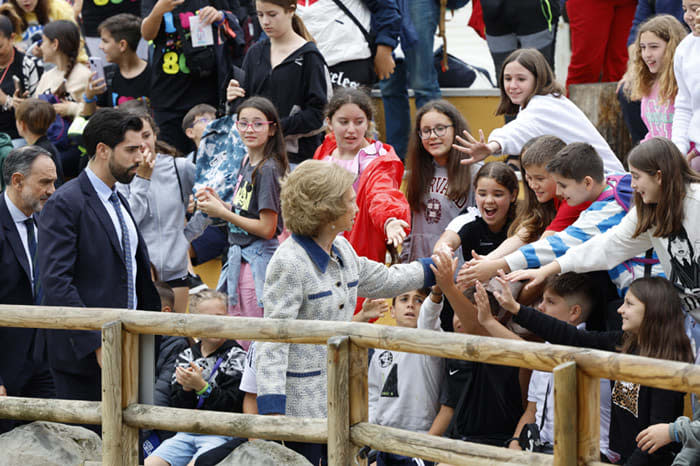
439	130
256	125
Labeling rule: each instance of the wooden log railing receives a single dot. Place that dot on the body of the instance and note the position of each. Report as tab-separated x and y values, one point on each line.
577	374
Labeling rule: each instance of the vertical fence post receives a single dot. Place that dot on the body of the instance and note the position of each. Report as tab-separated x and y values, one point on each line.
359	397
565	407
588	417
111	393
130	395
338	402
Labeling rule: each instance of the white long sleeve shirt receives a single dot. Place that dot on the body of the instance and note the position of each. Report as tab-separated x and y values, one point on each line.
556	116
686	120
678	254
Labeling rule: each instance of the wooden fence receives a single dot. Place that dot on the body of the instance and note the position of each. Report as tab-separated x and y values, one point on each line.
576	385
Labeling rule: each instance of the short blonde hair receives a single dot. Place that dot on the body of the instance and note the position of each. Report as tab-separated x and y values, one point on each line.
205	295
312	195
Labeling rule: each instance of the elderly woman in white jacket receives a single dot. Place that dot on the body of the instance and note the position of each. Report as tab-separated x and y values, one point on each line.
316	275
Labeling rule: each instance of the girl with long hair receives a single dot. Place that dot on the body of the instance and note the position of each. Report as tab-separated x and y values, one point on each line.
254	215
438	187
384	216
158	196
530	91
650	72
652	326
288	69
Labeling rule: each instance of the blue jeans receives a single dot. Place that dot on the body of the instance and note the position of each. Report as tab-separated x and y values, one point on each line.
416	72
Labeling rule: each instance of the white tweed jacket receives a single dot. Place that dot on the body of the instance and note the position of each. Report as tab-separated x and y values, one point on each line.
304	282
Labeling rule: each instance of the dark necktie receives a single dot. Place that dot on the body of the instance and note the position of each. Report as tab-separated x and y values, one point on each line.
126	250
31	242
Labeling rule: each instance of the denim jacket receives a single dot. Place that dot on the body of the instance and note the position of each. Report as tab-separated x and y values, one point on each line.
258	255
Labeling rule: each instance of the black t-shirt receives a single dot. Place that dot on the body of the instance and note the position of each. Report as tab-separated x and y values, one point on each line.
7	117
486	399
173	88
123	89
96	11
476	236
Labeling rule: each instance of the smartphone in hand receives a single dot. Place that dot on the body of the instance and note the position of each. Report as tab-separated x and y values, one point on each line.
97	67
18	85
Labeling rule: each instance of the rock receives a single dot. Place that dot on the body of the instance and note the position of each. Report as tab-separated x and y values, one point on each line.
264	453
50	444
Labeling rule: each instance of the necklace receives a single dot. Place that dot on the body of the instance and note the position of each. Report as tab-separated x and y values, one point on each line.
2	80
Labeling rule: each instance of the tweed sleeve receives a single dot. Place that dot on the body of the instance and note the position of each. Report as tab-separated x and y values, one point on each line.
282	298
379	281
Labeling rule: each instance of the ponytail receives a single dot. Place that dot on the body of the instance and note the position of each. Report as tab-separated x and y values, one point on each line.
300	28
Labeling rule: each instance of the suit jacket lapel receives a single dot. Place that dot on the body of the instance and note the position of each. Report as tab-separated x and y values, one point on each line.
12	236
95	203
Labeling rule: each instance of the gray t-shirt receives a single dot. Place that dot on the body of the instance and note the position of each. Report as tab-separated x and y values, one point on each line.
252	196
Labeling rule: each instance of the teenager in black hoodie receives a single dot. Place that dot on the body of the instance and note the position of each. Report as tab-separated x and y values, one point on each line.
288	69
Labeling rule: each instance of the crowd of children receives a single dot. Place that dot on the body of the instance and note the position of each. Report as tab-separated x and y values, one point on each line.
580	252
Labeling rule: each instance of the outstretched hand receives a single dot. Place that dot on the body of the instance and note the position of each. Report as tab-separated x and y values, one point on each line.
476	151
483	307
396	232
653	437
534	277
444	268
505	296
477	269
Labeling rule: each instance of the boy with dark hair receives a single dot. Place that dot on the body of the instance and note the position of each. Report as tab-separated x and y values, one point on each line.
194	123
480	402
33	118
404	388
579	174
120	35
568	297
93	12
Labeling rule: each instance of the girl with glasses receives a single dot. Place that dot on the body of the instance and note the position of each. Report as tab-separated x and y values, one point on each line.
438	187
530	92
254	215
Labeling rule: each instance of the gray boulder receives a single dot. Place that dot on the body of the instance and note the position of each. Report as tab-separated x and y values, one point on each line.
50	444
264	453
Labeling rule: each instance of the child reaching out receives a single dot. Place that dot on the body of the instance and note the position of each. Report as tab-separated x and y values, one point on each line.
569	298
652	326
496	193
528	89
682	430
651	73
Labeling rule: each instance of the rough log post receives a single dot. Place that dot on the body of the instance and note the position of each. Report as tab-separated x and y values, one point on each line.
588	417
359	396
112	393
565	405
339	453
130	395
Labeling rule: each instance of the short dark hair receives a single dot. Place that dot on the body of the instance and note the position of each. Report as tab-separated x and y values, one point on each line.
541	151
577	161
199	109
123	26
424	291
20	160
108	126
165	291
37	114
577	286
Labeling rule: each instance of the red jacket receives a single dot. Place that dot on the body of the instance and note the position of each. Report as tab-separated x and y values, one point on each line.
378	199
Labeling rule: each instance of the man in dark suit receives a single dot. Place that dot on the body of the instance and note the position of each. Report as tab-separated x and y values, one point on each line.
92	254
29	174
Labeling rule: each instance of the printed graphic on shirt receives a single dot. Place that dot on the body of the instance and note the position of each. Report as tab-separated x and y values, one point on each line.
241	199
391	386
433	208
685	269
626	396
173	57
385	359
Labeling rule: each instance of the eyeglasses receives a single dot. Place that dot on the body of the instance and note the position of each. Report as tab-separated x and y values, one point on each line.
439	130
257	126
201	120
